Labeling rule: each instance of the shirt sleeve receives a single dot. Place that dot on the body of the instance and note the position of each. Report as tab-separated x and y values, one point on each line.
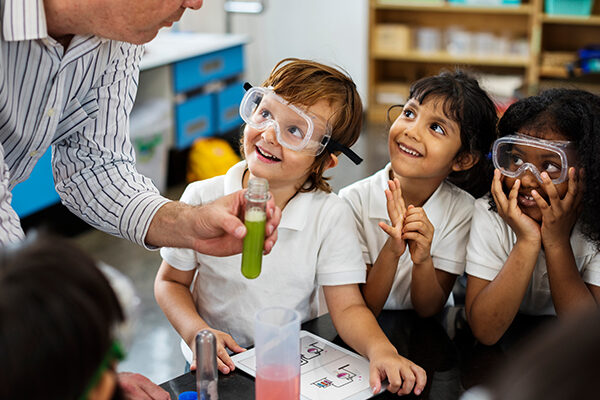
339	260
591	273
94	167
487	249
10	227
352	197
451	249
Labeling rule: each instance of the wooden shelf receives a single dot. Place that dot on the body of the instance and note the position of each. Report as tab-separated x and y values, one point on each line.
445	58
593	20
524	9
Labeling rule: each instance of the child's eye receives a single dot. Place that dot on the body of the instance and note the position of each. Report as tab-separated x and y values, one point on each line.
438	128
516	160
263	114
551	168
408	113
295	131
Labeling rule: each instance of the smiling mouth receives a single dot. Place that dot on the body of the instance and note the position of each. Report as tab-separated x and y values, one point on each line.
408	150
266	155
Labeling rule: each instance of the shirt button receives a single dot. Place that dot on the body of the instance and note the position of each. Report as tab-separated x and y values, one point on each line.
33	153
50	112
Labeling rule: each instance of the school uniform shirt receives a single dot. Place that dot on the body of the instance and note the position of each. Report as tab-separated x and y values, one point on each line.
491	241
77	101
316	245
448	209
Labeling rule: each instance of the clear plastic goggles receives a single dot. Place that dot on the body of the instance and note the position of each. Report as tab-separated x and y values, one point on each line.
516	154
296	129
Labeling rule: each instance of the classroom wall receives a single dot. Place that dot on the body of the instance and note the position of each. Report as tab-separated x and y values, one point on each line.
333	31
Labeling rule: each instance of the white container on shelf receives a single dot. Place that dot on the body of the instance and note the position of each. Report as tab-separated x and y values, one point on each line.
428	40
150	126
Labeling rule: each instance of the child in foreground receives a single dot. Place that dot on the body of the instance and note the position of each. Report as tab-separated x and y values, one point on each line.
57	319
526	251
437	145
297	124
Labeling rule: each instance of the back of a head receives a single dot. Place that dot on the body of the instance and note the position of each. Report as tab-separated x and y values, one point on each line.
559	363
466	103
306	82
576	115
57	311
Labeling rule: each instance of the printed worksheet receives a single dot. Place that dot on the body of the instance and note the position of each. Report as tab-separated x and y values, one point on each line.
327	371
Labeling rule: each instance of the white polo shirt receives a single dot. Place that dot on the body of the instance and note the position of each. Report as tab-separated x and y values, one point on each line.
449	209
491	241
316	245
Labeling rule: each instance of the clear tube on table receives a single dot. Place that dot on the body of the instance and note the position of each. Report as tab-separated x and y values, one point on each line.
207	375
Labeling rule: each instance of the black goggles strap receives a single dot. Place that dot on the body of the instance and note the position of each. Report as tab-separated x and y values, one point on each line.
333	146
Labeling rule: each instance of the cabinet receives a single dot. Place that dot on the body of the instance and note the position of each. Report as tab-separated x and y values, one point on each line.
411	39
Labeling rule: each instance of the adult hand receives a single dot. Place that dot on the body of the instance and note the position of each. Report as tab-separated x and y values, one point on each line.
559	217
224	341
215	228
403	375
523	225
396	211
138	387
418	232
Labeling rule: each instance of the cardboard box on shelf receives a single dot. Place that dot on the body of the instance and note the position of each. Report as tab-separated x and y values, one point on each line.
391	38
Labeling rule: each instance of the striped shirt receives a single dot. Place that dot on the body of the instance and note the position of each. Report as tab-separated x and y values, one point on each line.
77	101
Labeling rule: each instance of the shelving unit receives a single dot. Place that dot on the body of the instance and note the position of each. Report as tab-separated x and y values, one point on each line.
543	35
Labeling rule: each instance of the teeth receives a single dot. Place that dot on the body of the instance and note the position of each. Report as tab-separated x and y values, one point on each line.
409	151
267	155
527	197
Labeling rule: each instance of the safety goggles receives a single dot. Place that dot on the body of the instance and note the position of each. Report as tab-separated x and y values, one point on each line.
516	154
295	128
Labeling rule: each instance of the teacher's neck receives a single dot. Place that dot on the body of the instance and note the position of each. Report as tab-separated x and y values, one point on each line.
64	19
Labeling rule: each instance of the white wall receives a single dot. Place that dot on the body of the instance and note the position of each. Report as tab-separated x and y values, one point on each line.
330	31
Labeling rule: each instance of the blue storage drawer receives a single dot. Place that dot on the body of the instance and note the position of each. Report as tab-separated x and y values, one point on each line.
195	72
228	107
193	119
38	191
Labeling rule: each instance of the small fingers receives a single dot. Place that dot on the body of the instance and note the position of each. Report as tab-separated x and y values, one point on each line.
408	381
421	378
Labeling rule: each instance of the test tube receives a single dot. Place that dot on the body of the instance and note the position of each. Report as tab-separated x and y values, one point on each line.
207	374
255	219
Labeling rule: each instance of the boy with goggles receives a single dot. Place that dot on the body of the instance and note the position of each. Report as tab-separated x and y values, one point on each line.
296	129
303	108
516	154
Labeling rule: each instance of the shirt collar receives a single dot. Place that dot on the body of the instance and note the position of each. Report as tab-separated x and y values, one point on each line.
294	214
378	204
24	20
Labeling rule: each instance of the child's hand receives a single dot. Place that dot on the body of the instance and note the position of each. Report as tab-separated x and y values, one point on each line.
418	233
523	225
224	342
402	374
559	217
396	211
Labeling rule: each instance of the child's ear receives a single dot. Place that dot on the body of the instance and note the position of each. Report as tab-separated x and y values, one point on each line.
333	161
464	161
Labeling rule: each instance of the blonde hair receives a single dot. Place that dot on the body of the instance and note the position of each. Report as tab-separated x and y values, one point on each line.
305	82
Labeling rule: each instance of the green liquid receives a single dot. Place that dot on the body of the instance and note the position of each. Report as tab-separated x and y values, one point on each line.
253	244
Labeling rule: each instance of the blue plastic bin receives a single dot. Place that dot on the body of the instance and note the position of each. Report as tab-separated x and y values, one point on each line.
569	7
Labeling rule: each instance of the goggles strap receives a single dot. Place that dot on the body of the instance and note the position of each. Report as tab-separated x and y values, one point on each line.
333	146
115	352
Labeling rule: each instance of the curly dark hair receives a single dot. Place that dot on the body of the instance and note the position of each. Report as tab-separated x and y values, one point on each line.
574	114
465	102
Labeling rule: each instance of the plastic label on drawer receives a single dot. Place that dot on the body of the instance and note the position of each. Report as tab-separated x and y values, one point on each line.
196	126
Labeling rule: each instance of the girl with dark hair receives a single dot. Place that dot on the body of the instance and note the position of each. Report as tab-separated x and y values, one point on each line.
527	250
437	148
57	314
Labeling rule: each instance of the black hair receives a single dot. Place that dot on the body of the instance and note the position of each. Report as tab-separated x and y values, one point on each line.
57	311
465	102
574	114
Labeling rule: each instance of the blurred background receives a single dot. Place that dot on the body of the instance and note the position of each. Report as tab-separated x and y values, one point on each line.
185	124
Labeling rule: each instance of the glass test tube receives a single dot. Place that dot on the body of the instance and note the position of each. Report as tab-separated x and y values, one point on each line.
255	218
207	374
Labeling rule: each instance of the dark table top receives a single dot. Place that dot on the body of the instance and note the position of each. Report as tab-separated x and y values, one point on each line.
442	345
